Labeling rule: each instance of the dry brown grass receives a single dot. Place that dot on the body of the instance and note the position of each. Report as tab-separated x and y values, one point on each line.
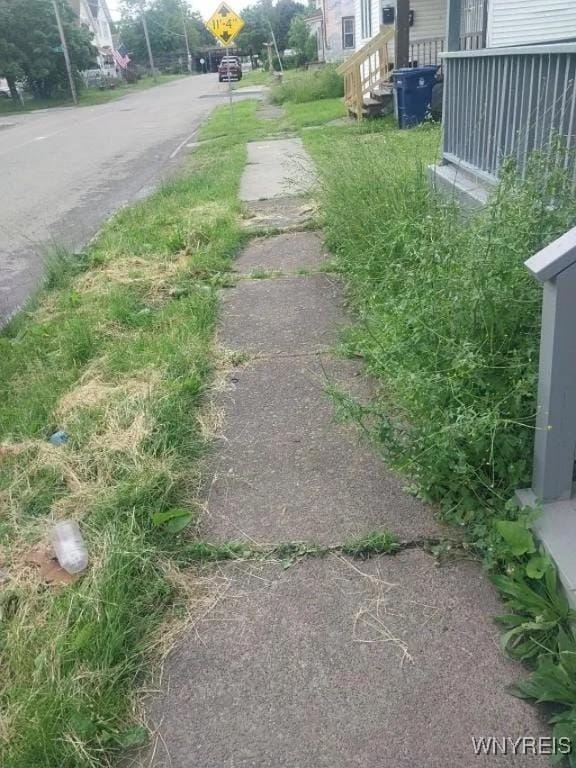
92	391
88	470
155	276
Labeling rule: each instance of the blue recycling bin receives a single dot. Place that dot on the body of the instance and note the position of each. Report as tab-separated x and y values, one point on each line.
413	94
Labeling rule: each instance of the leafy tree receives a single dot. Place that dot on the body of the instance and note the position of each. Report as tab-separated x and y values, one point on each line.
284	11
256	32
262	16
30	49
165	20
301	40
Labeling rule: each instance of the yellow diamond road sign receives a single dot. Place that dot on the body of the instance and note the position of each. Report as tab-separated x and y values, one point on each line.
224	24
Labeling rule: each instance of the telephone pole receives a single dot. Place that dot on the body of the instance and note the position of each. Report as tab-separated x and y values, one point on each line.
64	45
148	46
188	54
276	49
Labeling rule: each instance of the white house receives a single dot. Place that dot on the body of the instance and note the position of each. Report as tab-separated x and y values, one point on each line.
333	23
509	98
523	22
94	15
428	18
500	22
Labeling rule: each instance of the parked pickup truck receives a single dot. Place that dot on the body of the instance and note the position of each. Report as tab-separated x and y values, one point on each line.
229	68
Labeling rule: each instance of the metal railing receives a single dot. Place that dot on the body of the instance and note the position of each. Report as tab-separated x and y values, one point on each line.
426	52
555	444
507	102
553	492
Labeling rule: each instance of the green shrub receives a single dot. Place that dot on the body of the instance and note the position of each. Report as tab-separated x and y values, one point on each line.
324	83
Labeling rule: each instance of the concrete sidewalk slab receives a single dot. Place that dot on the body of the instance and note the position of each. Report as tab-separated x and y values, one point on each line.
276	168
270	112
335	663
292	315
332	663
286	253
287	470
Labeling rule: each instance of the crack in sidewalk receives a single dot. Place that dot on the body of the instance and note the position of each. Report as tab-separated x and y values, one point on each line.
443	549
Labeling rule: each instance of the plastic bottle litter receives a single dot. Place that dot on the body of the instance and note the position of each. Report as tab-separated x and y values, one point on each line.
59	438
69	546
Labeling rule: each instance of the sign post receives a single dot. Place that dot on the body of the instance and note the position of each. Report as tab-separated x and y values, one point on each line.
225	25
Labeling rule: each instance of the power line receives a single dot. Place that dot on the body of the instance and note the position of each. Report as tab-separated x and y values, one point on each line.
161	26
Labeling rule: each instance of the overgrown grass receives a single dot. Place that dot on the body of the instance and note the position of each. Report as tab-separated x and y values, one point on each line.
309	85
448	314
88	97
118	353
306	114
256	77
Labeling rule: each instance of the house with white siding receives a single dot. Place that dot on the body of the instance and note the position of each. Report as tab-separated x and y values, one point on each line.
380	48
515	95
428	19
529	22
95	16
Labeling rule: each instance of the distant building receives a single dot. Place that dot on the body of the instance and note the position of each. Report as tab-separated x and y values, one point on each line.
333	24
95	16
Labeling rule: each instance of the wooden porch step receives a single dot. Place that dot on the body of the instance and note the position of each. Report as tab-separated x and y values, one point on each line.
382	91
372	108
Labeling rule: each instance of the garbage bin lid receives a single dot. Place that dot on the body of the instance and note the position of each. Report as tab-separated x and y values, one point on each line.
417	71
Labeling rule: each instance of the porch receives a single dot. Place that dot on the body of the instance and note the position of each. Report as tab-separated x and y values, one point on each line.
368	73
504	103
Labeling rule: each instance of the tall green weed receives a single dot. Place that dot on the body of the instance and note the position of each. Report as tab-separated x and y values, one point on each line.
448	316
309	85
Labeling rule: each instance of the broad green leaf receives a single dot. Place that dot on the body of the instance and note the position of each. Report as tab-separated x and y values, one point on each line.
177	524
518	538
162	518
536	566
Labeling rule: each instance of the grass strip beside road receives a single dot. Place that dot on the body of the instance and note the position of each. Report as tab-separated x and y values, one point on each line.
118	352
88	97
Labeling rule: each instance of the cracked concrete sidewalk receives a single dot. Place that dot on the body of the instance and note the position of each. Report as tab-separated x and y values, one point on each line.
333	662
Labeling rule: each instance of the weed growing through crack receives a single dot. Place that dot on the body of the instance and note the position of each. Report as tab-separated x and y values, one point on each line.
377	542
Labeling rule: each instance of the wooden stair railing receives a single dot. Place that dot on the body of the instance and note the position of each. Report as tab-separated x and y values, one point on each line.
369	67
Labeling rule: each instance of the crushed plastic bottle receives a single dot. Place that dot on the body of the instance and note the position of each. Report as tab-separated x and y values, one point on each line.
69	546
59	438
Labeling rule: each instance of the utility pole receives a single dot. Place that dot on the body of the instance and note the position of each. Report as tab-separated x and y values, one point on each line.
276	49
189	57
148	46
269	48
64	45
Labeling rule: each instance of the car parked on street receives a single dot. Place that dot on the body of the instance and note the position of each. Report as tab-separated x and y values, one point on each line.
229	69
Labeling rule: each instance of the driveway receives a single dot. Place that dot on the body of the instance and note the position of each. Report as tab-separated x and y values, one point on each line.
65	171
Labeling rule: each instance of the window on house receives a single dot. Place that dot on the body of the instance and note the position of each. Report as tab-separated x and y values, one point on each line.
348	32
366	18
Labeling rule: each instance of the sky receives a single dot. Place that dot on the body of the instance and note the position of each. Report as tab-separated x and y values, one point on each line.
206	7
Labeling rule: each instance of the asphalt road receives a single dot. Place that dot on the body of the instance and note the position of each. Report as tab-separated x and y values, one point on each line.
65	171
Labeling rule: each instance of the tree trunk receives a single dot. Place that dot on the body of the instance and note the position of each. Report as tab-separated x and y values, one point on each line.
14	92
